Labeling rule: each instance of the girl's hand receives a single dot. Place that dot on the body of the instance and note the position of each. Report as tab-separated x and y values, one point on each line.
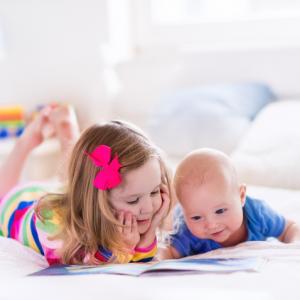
163	210
129	231
148	237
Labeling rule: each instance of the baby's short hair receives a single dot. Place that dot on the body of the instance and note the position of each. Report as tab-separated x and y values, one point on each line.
203	165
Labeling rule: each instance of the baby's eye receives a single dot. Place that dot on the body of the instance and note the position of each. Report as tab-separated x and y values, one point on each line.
220	211
196	218
154	193
134	201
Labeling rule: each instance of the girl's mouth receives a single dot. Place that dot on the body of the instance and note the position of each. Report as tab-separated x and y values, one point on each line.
142	222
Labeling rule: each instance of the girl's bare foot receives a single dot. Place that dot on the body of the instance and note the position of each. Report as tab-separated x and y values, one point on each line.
64	122
37	130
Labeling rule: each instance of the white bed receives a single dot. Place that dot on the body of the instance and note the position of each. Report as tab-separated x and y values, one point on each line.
279	278
260	155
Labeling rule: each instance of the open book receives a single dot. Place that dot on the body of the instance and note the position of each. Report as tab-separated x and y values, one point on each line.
190	265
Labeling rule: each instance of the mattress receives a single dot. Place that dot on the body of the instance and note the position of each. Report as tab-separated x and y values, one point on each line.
278	278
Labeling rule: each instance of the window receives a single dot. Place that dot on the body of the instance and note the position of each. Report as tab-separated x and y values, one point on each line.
216	24
170	12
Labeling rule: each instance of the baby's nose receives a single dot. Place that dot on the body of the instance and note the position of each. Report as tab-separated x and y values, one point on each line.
210	223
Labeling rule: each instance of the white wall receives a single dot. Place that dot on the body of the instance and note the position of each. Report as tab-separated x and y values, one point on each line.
52	52
155	73
173	55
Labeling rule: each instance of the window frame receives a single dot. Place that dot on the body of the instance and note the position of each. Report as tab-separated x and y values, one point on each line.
274	30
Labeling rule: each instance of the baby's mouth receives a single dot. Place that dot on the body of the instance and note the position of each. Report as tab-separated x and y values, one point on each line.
216	233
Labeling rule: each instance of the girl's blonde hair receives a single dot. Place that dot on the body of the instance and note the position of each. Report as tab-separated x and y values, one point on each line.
86	217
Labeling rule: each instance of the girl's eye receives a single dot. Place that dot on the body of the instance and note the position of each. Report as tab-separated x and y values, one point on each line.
134	201
220	211
155	193
196	218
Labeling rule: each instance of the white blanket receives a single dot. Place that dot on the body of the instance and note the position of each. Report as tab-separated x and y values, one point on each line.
279	278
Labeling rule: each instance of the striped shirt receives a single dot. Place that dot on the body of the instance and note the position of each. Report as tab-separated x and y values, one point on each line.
19	221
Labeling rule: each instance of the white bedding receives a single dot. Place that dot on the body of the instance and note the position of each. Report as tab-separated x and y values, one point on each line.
279	278
268	154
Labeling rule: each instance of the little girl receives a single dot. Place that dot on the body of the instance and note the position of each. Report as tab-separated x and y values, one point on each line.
115	199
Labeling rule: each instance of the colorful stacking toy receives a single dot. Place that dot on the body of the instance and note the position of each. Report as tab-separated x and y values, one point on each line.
12	121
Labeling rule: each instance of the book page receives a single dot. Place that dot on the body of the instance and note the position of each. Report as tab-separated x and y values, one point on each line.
167	266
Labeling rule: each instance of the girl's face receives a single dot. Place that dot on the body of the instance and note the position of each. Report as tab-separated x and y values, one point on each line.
139	193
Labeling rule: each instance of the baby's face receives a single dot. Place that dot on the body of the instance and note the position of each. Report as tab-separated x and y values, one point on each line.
213	211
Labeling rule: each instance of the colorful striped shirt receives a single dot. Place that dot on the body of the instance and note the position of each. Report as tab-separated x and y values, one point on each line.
19	221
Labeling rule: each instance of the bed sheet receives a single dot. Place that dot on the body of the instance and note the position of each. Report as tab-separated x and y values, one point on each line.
278	279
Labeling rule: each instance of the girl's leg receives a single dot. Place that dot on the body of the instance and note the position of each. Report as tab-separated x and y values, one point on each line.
12	167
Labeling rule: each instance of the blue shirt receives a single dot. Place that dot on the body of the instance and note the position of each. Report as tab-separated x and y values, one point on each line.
261	222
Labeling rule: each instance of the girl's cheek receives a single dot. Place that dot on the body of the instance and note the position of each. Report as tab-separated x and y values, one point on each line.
157	201
118	207
135	211
129	209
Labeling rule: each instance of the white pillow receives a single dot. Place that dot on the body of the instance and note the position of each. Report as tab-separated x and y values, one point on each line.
214	116
269	154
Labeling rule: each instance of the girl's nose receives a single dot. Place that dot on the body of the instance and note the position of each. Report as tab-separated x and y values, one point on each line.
147	206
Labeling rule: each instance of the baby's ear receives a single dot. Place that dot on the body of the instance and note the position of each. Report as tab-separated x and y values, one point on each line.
243	190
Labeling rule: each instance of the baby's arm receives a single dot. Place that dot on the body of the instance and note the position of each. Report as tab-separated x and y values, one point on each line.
168	253
291	232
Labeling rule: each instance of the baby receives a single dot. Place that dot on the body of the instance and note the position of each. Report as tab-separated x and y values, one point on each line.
215	211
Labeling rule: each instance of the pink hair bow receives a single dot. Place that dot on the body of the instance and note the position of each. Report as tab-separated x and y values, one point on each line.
108	177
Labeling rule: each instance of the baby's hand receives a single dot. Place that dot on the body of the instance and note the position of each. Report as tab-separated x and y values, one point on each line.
129	230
